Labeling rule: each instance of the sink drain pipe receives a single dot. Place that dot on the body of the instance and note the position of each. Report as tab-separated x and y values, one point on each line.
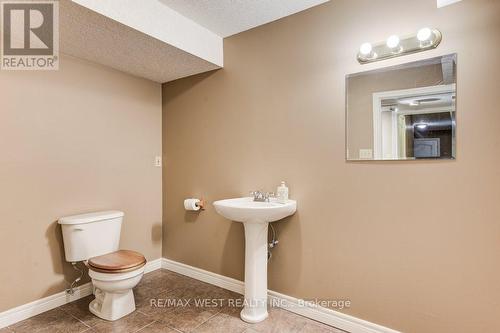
274	242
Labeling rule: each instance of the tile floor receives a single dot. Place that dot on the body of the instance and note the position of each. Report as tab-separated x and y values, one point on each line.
221	316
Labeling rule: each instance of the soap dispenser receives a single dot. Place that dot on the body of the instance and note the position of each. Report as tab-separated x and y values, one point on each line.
282	193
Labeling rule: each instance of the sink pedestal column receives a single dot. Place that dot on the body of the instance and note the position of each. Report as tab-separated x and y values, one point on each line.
255	309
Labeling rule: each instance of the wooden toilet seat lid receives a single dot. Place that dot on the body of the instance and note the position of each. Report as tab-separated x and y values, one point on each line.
117	262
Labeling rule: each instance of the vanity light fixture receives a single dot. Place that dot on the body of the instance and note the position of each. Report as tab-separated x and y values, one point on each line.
366	50
395	46
393	43
424	34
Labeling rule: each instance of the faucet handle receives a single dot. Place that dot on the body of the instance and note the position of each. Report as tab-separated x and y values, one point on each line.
267	196
255	194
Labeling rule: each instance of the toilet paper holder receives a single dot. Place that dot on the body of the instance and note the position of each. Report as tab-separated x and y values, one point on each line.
194	204
201	204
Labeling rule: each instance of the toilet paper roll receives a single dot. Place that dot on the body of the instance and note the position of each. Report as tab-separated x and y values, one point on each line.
190	204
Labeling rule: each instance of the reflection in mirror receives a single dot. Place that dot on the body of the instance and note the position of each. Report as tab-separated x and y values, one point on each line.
403	112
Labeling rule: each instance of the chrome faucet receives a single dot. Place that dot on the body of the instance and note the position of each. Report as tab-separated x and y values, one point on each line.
262	196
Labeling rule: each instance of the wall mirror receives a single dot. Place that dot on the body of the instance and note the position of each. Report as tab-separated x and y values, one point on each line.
404	112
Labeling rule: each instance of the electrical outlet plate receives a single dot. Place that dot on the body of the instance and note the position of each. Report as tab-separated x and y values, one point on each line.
158	161
365	154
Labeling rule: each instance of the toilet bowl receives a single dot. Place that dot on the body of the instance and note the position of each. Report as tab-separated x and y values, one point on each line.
113	277
94	238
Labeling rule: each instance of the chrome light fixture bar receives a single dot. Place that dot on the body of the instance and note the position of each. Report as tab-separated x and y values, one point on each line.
395	46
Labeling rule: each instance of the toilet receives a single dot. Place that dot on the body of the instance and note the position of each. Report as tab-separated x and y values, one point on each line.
94	239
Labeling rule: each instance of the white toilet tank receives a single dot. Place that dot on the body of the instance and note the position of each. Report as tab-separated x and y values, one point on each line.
91	235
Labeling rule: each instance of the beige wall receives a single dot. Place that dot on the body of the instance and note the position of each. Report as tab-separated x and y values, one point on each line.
414	245
75	140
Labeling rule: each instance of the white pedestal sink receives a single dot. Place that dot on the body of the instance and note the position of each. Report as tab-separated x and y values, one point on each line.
255	217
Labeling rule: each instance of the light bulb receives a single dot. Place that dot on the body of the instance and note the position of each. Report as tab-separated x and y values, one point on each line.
424	34
365	49
393	41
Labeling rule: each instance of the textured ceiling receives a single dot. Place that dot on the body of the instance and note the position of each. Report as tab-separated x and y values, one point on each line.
162	40
88	35
229	17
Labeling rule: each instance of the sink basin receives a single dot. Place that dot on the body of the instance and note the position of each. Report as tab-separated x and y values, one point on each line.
247	210
255	217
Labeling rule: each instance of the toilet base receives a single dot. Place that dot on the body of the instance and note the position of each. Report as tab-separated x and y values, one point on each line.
112	305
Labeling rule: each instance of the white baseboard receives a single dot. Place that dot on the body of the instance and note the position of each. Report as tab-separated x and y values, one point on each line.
330	317
200	274
28	310
153	265
31	309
